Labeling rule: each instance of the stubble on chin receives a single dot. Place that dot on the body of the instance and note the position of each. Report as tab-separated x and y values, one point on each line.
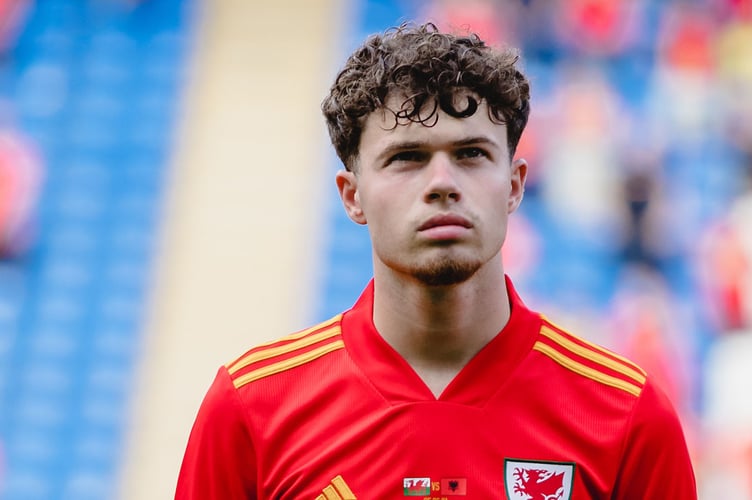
446	272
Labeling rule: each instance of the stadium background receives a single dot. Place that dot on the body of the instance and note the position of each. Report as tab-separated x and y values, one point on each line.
166	201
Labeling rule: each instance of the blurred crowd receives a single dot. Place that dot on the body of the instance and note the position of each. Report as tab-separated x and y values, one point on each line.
637	222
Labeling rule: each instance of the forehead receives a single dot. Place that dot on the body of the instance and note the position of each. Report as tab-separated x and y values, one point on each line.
384	126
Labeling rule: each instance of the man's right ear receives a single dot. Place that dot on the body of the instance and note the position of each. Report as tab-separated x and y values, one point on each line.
347	184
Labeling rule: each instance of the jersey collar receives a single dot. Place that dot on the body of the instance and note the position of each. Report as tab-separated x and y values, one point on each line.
477	382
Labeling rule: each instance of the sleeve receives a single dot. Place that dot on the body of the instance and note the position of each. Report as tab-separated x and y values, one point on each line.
655	463
219	461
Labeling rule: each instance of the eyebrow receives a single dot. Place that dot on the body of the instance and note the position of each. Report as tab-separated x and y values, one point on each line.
476	140
397	146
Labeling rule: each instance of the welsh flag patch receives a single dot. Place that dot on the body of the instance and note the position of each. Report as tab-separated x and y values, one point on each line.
416	486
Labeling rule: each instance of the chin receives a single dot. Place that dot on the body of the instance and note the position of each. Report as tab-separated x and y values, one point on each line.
446	272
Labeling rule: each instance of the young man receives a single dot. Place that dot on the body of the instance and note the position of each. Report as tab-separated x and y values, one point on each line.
439	382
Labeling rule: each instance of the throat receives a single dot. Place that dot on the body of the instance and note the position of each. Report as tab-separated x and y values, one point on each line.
437	380
437	377
438	332
437	357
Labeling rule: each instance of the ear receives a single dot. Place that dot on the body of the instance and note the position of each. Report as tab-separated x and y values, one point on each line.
518	178
347	184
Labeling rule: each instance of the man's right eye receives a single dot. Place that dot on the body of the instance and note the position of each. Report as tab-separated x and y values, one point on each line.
407	156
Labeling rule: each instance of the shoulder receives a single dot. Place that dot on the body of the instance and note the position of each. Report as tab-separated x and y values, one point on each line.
589	361
287	353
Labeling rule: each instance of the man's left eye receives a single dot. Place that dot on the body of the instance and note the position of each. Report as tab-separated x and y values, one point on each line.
471	153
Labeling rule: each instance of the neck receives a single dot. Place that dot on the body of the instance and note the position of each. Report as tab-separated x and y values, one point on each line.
439	329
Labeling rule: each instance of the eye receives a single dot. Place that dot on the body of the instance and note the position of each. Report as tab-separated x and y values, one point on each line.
470	153
408	156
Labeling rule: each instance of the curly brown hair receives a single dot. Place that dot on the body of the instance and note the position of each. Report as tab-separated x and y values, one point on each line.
427	67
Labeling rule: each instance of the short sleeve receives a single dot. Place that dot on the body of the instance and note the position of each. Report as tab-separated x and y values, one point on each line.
219	461
656	462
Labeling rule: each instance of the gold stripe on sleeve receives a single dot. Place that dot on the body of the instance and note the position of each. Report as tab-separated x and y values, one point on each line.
283	349
586	371
596	357
286	364
601	349
303	333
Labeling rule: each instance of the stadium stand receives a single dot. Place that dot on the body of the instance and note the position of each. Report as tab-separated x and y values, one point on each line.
94	85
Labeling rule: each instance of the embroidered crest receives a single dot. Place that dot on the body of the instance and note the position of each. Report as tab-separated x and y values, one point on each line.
528	480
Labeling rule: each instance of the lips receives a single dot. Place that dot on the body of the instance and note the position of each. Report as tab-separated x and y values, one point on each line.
445	220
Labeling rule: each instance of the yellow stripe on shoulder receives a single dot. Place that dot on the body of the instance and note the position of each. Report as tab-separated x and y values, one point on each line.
596	347
299	340
288	363
597	355
586	371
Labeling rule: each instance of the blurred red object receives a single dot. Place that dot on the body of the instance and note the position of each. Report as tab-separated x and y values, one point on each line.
599	27
12	16
723	266
691	46
21	173
490	19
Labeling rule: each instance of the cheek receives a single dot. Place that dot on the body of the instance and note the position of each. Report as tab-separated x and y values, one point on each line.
383	204
499	208
383	222
387	224
498	200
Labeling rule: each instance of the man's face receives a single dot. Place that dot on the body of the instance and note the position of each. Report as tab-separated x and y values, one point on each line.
436	198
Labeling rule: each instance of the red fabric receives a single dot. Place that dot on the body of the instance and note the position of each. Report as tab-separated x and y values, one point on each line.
302	421
220	459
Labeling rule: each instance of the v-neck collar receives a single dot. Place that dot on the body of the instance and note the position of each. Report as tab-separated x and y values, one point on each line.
474	385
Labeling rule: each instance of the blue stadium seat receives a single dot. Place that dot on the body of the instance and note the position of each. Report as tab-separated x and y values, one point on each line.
95	84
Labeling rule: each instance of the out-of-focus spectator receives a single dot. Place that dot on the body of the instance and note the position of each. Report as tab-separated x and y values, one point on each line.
640	190
581	180
725	273
649	221
684	96
724	263
598	27
727	464
21	174
734	53
734	45
493	20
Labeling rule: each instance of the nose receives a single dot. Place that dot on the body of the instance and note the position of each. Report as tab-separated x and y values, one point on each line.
442	180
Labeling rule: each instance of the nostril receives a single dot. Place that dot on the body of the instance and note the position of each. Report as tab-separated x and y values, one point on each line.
443	195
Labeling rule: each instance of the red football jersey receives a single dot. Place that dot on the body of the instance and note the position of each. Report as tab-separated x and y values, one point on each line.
333	412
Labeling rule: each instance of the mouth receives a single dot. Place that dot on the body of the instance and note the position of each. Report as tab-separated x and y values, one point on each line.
445	220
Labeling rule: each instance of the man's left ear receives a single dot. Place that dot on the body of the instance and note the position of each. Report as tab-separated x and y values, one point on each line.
517	180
